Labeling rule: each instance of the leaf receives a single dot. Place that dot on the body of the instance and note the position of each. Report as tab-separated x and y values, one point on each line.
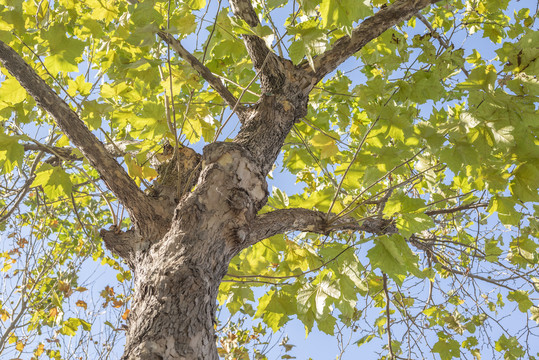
196	4
510	346
325	145
40	349
54	181
19	346
274	308
522	298
105	11
11	152
11	92
524	184
392	255
447	348
401	203
480	78
82	304
64	52
409	224
534	311
492	251
342	13
309	41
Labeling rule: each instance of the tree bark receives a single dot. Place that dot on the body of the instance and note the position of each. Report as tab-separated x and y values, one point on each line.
177	279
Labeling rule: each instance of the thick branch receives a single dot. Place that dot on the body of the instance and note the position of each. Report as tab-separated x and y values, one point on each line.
368	30
203	71
281	221
267	64
245	11
141	208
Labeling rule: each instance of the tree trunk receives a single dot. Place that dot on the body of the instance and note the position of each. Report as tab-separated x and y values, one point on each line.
173	308
177	277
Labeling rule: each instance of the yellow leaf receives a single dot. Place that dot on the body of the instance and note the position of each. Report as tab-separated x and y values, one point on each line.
125	314
4	315
82	304
53	312
39	350
19	346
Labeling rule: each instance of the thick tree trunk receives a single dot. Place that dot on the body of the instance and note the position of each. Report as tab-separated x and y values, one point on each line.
173	310
177	277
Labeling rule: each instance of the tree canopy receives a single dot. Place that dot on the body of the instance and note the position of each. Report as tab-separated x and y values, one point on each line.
413	223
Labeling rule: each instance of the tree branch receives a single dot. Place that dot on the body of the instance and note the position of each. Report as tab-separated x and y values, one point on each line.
143	210
297	219
268	65
368	30
203	71
456	209
116	149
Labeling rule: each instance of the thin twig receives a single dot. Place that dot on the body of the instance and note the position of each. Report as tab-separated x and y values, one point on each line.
388	312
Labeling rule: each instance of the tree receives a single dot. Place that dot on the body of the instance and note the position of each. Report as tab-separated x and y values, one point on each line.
410	166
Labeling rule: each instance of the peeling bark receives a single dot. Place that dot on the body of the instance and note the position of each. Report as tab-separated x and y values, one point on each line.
179	277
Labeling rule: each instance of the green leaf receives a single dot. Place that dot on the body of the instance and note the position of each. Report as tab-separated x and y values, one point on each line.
522	298
392	255
54	180
65	52
11	92
401	203
409	224
274	308
11	152
492	251
342	13
510	346
504	207
447	348
524	184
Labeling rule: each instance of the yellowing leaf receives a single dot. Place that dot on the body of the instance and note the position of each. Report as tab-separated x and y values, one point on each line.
82	304
53	312
4	315
40	349
19	346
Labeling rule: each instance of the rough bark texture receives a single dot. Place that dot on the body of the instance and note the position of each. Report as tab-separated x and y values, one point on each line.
179	250
178	278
